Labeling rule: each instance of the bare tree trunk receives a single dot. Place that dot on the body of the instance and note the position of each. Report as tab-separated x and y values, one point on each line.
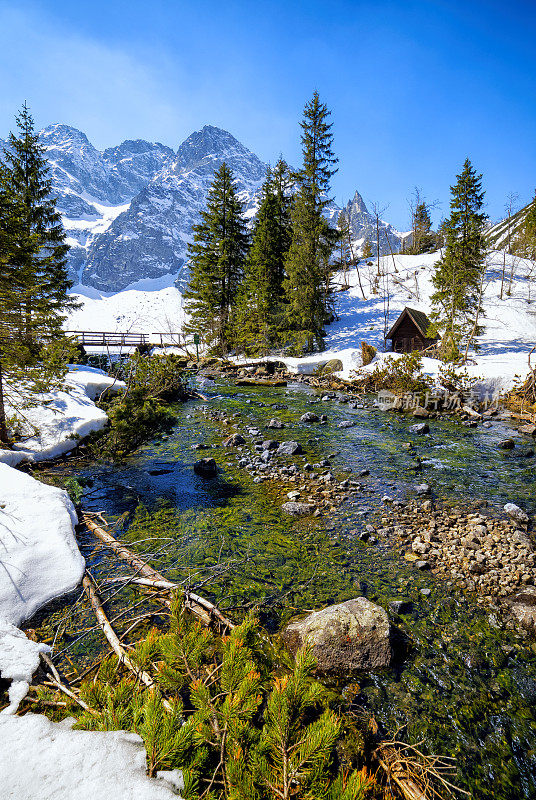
4	438
478	309
354	260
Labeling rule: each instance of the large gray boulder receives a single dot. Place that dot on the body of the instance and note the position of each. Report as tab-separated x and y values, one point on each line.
350	636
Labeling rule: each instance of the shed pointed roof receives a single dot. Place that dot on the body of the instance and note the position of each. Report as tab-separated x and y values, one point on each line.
419	319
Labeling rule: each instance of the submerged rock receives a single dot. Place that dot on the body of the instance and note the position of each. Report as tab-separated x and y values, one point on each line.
507	444
523	607
355	635
289	449
299	509
421	427
346	423
206	468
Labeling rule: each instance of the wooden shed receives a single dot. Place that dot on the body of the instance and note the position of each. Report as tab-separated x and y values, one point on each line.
409	332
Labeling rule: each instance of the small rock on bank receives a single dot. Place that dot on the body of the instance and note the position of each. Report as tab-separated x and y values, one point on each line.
355	635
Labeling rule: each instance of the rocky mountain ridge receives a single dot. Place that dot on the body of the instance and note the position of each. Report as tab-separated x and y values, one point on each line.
128	210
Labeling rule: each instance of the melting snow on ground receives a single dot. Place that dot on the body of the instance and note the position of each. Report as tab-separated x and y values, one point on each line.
54	427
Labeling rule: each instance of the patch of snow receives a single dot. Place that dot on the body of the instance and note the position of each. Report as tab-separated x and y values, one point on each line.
40	758
39	560
62	417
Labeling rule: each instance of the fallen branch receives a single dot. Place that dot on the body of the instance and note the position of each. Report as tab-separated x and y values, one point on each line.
112	637
206	611
55	680
418	776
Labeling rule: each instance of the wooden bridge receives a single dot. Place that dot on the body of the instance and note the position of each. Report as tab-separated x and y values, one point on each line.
110	339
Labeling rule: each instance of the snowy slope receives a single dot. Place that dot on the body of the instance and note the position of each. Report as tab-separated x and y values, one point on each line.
145	308
504	232
510	323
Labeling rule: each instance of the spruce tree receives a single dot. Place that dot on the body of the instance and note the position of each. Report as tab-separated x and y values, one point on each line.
313	239
367	251
259	308
459	273
424	238
217	258
36	295
33	277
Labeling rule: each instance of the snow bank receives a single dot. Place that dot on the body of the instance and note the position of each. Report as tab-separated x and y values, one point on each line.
62	417
40	758
39	560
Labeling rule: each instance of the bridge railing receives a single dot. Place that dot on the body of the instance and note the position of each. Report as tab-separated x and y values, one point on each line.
108	339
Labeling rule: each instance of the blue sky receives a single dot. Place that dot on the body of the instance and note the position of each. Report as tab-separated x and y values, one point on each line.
414	86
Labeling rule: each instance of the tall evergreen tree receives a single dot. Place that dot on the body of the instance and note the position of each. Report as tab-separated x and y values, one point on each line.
217	258
35	286
459	273
313	239
259	308
33	277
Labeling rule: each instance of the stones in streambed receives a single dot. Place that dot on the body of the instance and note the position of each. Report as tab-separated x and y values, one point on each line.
235	440
299	509
350	636
270	444
290	448
506	444
206	468
201	446
516	513
420	428
528	430
309	417
276	424
346	423
478	553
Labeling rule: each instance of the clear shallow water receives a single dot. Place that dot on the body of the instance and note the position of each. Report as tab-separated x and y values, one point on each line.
466	687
